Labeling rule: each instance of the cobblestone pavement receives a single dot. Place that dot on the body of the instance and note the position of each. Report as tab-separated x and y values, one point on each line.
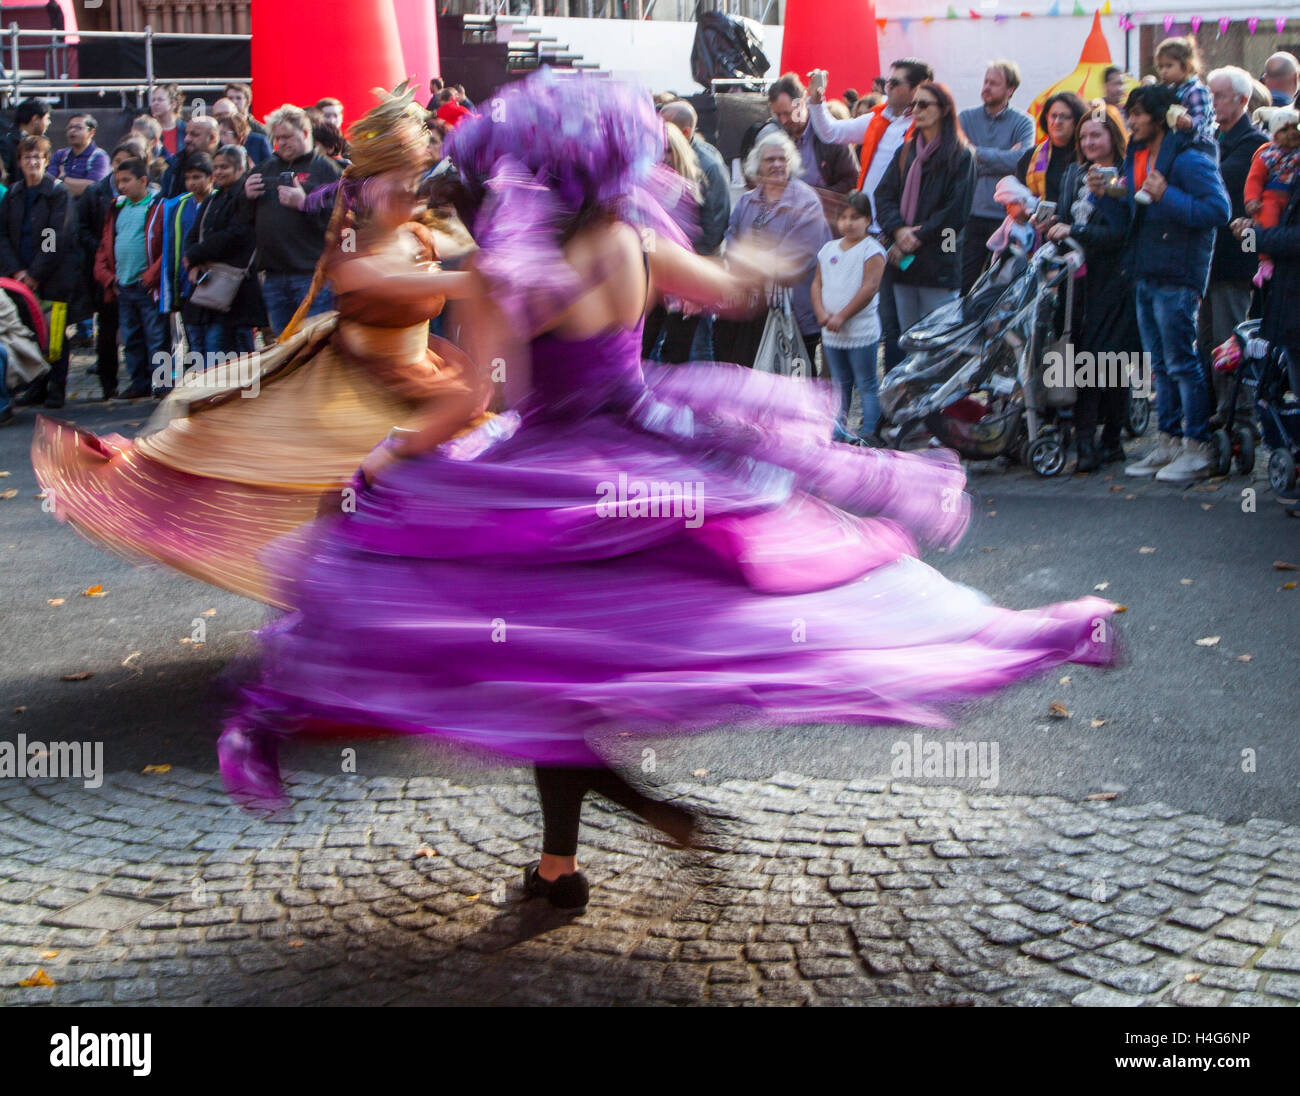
153	888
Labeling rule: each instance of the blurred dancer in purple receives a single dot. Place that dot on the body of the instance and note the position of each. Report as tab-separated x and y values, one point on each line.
651	550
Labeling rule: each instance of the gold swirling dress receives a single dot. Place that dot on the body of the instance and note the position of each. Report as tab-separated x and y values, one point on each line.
220	472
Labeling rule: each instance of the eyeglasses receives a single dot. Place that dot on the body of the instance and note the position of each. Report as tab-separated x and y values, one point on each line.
923	104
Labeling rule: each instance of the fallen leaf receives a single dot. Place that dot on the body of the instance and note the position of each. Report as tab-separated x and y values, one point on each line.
208	612
40	978
81	675
4	475
988	549
1120	608
1065	680
49	954
151	769
1102	586
473	897
1117	487
1145	551
54	600
1213	485
1208	641
1243	658
993	513
1185	581
1278	565
424	850
1101	797
1130	498
1287	586
11	493
699	773
94	591
20	709
1077	924
1057	710
1099	722
1194	976
129	661
297	943
1207	506
39	495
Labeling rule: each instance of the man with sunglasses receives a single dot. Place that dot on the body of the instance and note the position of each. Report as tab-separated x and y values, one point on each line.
1000	135
880	132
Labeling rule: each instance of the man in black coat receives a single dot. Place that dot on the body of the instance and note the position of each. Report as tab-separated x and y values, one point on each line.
1227	300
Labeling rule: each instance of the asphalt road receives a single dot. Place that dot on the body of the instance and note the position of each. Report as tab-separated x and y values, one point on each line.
1177	715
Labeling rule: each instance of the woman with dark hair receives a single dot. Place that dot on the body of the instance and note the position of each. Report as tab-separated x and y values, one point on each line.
1105	317
923	203
220	235
1043	167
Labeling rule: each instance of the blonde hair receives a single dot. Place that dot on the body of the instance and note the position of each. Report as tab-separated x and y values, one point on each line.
291	115
681	157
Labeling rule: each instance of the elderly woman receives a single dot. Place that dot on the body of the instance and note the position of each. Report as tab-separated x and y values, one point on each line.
785	215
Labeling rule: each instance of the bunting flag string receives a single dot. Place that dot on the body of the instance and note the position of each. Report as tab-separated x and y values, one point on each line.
1124	20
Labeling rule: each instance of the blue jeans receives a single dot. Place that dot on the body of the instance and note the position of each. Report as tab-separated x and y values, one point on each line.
283	293
851	365
4	379
1167	321
218	337
143	335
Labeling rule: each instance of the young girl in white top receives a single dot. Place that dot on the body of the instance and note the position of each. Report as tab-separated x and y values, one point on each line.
844	297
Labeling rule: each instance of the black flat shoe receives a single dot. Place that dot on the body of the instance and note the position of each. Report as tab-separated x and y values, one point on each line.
1112	455
6	416
568	892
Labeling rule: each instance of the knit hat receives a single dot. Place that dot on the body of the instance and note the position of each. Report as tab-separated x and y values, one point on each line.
1281	118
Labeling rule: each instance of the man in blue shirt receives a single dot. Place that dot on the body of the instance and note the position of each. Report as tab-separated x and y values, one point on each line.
82	163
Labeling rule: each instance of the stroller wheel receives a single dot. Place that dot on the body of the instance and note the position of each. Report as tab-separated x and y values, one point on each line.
1221	449
1282	476
1139	416
1046	455
1245	450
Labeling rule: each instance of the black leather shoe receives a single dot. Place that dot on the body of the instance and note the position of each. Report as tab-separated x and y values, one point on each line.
1087	460
34	395
568	892
134	393
54	400
1111	454
108	393
6	416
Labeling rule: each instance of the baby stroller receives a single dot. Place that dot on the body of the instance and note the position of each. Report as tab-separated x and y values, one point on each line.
1243	355
24	335
974	375
1277	405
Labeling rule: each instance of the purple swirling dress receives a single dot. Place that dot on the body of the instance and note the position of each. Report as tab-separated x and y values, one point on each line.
663	550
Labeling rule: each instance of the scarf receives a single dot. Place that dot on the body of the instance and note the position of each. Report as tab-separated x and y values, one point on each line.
871	139
1281	165
912	184
1036	174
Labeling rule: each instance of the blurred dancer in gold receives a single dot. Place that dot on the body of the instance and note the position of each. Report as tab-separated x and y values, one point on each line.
248	451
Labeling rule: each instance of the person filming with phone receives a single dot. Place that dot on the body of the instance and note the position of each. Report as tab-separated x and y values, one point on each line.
289	241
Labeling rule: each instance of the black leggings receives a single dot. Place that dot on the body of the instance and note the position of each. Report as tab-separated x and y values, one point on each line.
562	790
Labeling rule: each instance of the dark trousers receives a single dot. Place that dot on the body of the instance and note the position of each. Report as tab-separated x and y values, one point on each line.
106	345
1109	406
738	340
562	789
975	252
678	334
889	327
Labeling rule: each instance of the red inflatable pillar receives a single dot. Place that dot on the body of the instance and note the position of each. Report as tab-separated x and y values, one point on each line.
417	25
304	50
836	35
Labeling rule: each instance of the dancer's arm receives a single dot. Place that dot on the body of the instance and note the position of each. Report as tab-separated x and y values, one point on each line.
681	273
404	282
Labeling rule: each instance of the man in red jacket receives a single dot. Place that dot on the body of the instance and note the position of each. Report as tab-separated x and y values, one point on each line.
128	265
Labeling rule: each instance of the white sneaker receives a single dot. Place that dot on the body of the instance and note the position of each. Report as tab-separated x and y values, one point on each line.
1193	464
1167	450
